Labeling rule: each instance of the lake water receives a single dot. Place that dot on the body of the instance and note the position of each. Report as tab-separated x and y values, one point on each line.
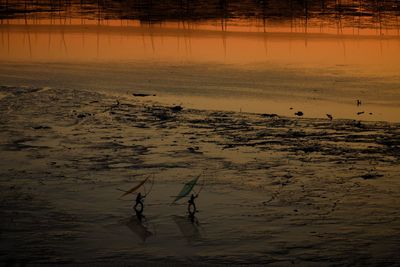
315	65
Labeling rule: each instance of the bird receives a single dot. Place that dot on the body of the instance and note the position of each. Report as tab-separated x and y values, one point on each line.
299	113
329	116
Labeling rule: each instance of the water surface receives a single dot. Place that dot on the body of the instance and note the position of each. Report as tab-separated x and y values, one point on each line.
202	66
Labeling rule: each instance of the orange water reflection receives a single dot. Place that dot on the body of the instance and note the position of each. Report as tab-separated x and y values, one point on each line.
202	43
319	52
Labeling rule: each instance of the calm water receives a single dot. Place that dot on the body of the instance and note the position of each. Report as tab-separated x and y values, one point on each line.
319	60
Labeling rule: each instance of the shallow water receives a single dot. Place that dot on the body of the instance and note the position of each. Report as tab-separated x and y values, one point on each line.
276	72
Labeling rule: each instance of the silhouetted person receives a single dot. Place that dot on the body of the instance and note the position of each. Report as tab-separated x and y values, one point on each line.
139	204
191	205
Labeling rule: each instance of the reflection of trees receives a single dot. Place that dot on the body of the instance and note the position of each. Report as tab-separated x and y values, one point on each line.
364	11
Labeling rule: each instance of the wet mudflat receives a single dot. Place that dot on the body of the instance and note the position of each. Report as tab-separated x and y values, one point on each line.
277	190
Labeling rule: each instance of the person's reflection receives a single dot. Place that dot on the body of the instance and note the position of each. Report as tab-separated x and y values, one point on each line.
189	227
193	219
139	225
139	215
192	205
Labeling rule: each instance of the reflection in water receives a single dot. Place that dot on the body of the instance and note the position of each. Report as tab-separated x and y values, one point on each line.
264	73
304	13
79	43
139	225
189	226
319	63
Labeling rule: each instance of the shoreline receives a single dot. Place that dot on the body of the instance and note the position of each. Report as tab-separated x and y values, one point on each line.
213	86
150	99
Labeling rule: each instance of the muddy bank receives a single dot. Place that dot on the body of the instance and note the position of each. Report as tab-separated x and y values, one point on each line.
277	190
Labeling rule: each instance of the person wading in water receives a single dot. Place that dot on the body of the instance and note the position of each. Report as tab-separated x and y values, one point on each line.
139	204
191	205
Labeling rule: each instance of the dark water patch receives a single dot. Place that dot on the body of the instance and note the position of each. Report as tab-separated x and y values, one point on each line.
20	90
371	175
20	215
41	127
267	115
161	113
22	144
142	94
108	145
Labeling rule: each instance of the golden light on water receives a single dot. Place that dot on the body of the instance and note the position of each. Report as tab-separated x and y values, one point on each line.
173	42
340	59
